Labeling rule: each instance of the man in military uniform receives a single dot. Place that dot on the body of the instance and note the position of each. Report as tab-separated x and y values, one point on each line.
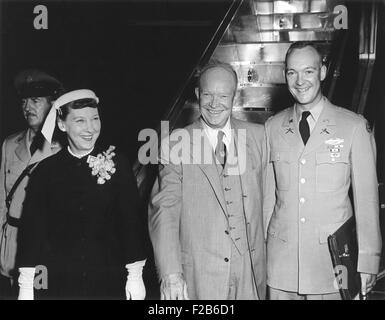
317	151
37	90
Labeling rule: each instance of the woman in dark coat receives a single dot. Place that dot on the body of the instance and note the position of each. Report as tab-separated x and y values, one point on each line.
81	217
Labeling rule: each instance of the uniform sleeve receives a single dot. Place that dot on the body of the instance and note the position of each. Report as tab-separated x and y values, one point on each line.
269	184
366	204
164	214
33	227
130	224
3	194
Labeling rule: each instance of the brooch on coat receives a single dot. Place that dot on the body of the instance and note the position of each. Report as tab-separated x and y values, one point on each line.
102	165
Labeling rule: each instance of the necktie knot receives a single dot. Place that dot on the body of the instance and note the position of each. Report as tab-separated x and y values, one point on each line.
220	136
37	142
305	115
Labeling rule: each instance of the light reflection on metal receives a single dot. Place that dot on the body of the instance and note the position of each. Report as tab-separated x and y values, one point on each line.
257	42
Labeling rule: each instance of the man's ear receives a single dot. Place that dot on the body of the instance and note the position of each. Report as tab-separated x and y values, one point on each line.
197	92
61	125
323	72
284	74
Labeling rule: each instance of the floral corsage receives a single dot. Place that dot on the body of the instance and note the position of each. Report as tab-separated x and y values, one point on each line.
102	165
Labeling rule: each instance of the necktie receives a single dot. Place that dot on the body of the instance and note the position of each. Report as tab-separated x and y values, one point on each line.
304	129
220	150
37	141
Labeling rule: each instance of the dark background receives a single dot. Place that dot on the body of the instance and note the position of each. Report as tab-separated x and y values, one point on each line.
135	55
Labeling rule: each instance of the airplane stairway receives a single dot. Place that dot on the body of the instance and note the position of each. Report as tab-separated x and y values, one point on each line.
253	37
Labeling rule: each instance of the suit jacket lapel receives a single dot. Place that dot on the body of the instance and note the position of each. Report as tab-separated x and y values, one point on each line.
21	150
324	128
209	169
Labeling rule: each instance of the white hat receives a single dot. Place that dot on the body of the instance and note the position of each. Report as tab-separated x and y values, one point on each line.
50	121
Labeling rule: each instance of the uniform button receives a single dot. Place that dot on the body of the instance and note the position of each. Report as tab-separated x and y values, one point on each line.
303	220
303	161
226	259
303	180
227	232
227	189
302	200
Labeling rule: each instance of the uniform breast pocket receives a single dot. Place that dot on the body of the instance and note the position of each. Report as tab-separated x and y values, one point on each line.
331	173
281	161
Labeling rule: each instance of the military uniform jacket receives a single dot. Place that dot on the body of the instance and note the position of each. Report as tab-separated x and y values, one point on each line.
15	157
83	232
188	219
311	185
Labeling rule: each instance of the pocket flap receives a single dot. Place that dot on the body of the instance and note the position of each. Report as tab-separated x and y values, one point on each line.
280	156
326	157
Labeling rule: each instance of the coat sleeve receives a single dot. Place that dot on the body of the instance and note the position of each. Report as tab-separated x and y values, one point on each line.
365	194
164	214
130	219
3	194
33	227
269	184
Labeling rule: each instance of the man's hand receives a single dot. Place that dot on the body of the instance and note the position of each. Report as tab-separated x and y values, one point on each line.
173	287
368	281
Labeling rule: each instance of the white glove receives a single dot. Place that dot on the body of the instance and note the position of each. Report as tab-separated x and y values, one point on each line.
135	289
26	278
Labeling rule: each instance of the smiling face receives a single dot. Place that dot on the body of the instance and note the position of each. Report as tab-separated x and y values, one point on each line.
304	73
35	110
216	95
82	127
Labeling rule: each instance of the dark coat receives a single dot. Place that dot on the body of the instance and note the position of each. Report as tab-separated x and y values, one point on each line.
83	232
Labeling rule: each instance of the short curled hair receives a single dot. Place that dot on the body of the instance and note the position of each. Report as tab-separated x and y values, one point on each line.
218	64
77	104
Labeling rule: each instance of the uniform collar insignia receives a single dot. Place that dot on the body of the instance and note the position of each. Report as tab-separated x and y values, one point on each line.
289	130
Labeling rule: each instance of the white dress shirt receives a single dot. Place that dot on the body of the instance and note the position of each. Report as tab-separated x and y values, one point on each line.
315	112
212	134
